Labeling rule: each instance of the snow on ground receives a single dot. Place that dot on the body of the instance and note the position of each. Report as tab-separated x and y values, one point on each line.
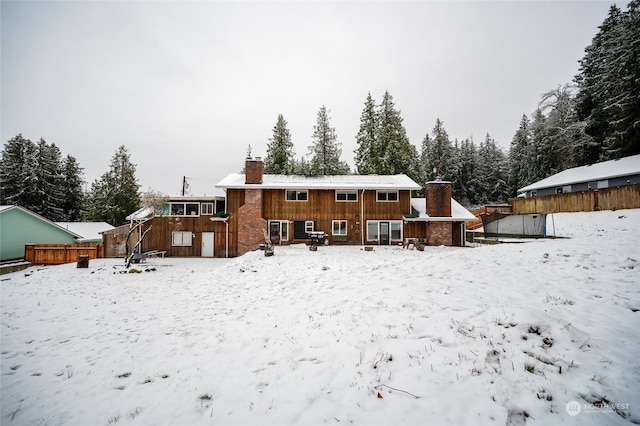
544	332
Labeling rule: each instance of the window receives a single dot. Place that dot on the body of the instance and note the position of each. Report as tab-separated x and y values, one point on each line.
279	230
181	239
297	195
603	184
192	209
339	227
346	195
372	231
309	226
396	231
393	227
566	188
183	209
387	195
207	208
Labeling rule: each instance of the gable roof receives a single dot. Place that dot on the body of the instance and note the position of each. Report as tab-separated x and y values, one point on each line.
591	173
88	230
7	208
372	182
458	212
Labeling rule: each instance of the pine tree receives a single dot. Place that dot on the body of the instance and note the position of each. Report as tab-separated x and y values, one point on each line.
115	195
325	151
16	178
368	154
440	156
397	154
492	172
280	157
468	174
518	170
73	192
47	193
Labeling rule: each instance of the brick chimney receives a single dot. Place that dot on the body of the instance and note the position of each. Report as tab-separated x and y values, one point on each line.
253	170
438	196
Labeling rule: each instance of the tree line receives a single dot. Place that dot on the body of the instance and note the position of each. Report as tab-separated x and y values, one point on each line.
34	175
594	118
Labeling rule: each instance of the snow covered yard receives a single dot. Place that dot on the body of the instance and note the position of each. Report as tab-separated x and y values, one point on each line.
544	332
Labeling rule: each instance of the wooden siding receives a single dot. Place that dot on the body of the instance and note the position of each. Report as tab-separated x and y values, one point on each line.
162	228
57	254
623	197
323	208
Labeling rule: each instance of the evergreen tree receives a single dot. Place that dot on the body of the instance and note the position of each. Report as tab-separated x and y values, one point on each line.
518	157
47	192
16	177
72	187
115	195
608	86
280	159
302	167
492	172
325	150
396	153
368	153
440	155
468	174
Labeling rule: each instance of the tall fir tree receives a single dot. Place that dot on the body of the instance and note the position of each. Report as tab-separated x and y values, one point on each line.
368	154
73	191
16	172
48	194
280	157
440	155
492	171
325	150
396	153
518	157
115	195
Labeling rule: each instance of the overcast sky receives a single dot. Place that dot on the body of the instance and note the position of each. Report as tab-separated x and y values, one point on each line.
188	86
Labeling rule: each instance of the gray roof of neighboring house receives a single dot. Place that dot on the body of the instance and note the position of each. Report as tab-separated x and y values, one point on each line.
599	171
88	230
372	182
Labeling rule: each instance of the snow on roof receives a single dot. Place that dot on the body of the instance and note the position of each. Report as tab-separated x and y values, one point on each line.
141	214
594	172
458	212
87	230
237	180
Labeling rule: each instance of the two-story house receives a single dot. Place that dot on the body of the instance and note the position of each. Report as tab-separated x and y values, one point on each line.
351	209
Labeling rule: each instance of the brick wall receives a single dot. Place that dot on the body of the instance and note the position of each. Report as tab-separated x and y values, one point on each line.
253	171
251	224
438	196
439	234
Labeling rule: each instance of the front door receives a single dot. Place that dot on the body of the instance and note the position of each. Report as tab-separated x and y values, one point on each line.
384	233
207	244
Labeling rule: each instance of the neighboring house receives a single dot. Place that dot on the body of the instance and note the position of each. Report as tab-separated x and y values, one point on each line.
91	232
186	227
608	174
20	226
351	209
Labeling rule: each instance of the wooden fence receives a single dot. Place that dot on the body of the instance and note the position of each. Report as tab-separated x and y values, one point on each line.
57	254
622	197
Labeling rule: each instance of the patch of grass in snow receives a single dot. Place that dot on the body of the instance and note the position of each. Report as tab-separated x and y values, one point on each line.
557	300
113	420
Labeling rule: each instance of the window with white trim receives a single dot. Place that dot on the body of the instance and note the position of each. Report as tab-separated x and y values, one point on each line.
183	209
297	195
387	195
346	195
181	239
206	209
395	230
373	233
279	229
309	226
339	227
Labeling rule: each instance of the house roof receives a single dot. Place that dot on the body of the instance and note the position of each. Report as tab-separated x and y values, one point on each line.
594	172
141	214
458	212
88	230
397	182
6	208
